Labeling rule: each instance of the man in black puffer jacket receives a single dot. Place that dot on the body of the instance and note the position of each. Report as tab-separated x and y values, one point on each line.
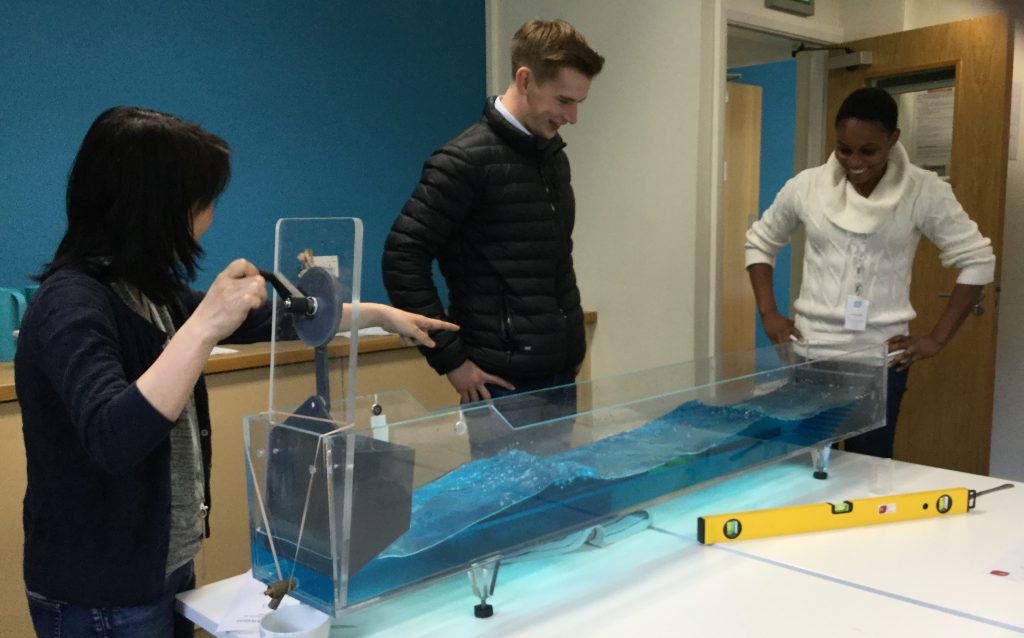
496	209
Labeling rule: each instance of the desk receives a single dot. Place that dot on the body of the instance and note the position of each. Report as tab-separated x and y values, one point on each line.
927	577
257	355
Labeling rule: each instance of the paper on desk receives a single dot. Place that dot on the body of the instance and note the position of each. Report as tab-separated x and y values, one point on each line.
222	350
248	607
1011	565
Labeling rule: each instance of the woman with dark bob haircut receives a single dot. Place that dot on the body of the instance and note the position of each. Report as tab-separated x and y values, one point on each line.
864	212
109	375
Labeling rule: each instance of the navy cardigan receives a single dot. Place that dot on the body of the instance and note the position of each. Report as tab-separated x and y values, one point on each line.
97	508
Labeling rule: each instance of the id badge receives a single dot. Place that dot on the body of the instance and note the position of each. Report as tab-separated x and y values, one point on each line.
857	313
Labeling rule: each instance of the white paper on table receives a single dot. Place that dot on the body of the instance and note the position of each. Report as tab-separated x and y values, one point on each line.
248	607
222	350
1010	566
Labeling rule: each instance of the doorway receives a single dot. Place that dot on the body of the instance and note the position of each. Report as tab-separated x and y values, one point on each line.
766	62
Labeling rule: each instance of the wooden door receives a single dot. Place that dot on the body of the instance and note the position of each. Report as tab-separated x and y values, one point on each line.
736	308
946	416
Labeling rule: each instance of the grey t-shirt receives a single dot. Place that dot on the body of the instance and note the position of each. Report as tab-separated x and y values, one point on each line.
187	507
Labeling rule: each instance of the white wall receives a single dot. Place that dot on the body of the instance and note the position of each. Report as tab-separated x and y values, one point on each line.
825	26
844	20
874	17
926	13
635	164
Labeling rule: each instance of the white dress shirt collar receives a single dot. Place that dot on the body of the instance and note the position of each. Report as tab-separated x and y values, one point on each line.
508	116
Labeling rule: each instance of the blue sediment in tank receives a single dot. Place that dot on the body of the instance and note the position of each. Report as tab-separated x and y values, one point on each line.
515	497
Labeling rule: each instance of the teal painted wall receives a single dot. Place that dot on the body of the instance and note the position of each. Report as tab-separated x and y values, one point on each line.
330	107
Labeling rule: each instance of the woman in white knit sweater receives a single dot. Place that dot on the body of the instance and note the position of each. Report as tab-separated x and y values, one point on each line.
864	211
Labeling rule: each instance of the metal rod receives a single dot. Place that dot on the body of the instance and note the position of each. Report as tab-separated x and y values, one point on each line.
323	381
1004	486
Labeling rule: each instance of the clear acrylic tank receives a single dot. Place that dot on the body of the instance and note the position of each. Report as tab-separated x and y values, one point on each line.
417	498
358	498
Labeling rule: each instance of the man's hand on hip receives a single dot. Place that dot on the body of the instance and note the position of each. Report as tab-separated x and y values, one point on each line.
470	382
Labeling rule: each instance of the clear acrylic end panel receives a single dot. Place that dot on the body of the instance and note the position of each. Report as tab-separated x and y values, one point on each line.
403	496
322	258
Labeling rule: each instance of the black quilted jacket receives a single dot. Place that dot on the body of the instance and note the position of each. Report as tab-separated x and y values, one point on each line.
495	208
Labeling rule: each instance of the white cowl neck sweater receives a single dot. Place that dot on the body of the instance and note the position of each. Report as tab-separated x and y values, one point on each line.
885	228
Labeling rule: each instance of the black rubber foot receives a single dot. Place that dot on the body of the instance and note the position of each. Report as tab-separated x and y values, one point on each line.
483	610
819	474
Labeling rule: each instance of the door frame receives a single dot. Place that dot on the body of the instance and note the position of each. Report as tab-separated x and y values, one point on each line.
809	147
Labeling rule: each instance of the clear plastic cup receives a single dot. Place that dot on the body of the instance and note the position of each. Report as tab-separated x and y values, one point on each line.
295	621
882	476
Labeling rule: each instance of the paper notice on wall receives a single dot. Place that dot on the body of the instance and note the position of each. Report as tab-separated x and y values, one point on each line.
933	129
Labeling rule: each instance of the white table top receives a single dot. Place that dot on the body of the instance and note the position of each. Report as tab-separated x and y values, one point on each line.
927	577
943	563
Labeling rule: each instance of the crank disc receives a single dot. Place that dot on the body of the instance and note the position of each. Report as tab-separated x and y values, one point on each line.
320	328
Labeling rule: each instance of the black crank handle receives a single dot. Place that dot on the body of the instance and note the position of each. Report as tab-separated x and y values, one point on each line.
295	302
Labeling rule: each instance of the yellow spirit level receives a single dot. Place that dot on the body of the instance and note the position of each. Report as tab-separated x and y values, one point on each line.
723	528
